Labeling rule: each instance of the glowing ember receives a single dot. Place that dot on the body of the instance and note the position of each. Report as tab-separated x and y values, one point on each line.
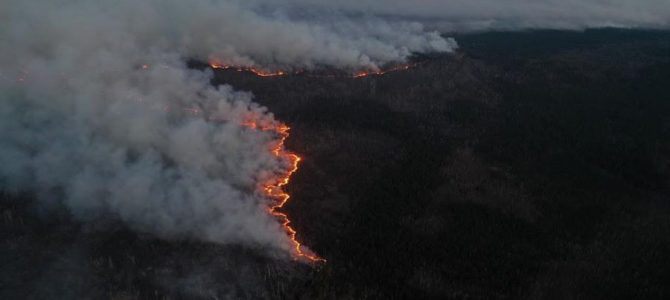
272	188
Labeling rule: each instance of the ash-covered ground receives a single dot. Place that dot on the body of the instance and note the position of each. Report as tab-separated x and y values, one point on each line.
528	165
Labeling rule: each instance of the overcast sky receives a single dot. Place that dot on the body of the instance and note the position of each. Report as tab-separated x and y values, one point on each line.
504	14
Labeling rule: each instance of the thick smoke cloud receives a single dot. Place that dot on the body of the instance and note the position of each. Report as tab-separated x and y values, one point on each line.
99	114
466	15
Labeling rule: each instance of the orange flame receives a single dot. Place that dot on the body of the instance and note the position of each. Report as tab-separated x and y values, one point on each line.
255	71
267	73
362	74
272	188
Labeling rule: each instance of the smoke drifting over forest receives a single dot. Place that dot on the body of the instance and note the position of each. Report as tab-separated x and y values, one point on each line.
100	114
147	149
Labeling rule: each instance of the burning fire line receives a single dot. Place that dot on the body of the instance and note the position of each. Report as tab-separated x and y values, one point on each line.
362	74
255	71
267	73
273	187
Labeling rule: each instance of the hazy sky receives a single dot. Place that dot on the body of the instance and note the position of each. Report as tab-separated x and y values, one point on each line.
505	14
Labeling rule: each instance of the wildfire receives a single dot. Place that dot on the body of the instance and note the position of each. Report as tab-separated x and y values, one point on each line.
267	73
272	188
362	74
255	71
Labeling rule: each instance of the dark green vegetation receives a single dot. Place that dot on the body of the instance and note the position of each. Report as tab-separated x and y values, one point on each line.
531	165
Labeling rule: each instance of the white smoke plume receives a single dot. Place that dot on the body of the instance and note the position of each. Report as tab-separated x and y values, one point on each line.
99	113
